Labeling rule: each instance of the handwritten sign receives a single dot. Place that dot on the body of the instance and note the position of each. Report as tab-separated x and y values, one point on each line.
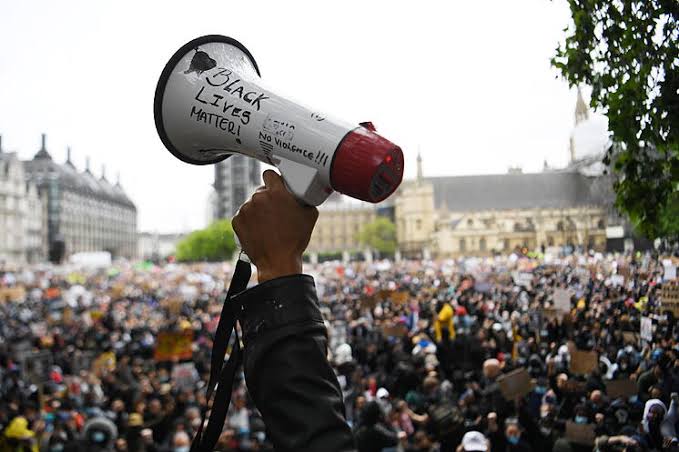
174	345
582	434
621	388
516	383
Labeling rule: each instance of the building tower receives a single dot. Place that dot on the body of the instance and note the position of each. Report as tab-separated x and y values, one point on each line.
236	178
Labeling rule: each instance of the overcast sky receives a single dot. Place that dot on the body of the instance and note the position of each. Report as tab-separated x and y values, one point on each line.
467	83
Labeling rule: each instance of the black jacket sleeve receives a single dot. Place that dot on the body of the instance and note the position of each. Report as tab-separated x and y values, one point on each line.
286	368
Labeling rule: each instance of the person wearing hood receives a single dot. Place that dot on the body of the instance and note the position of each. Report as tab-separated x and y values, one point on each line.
650	437
443	320
17	437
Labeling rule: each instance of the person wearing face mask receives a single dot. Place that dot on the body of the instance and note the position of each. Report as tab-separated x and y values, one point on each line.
181	442
513	436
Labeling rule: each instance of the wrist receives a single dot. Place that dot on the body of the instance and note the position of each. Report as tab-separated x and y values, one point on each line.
284	267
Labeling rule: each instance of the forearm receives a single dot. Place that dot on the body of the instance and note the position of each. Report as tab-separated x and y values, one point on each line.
286	370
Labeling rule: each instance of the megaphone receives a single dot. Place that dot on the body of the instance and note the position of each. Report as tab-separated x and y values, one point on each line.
210	103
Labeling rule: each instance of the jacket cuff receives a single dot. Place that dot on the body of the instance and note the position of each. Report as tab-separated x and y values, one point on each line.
276	303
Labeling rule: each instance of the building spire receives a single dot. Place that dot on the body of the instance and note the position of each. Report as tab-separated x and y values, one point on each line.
419	166
103	172
68	156
581	110
87	164
42	153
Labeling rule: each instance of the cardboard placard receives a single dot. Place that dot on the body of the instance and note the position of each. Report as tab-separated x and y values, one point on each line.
174	345
583	362
400	297
574	387
630	337
552	313
398	330
670	297
582	434
516	383
646	332
15	294
621	388
368	302
562	300
36	365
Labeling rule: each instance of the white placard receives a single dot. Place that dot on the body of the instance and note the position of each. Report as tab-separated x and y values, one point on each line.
647	329
670	272
562	300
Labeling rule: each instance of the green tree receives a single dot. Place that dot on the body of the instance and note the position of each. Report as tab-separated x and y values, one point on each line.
379	235
214	243
626	50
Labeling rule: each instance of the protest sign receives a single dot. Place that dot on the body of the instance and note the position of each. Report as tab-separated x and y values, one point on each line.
583	362
398	330
516	383
105	362
582	434
621	388
12	294
574	387
646	329
368	302
399	297
174	345
562	300
184	376
670	297
36	365
630	337
670	272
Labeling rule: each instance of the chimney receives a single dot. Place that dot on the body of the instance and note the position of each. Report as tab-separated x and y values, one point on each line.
68	155
103	172
87	163
44	141
118	179
0	144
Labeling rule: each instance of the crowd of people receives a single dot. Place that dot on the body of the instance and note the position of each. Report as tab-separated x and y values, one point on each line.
475	354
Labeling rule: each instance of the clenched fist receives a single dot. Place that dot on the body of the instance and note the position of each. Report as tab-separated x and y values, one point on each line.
274	229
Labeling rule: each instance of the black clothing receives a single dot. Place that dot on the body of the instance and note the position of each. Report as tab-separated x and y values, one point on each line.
286	369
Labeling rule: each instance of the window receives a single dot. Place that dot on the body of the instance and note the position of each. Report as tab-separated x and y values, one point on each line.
550	241
463	245
418	224
506	244
482	244
470	223
601	224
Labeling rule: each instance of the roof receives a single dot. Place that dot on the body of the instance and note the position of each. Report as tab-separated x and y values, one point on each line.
69	177
519	191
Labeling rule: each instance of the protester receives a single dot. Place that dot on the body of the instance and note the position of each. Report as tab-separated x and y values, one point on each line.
117	358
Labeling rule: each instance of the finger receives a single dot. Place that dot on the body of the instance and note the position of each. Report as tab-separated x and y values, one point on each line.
272	180
260	188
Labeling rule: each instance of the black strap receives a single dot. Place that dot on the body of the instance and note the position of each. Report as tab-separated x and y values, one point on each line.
225	373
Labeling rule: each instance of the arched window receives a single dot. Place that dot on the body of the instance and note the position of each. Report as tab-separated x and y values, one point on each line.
463	245
482	244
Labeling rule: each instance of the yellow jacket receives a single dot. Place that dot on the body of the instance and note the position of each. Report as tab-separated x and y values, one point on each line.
444	319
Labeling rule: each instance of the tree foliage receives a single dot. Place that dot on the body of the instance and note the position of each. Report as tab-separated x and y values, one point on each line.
379	235
626	50
214	243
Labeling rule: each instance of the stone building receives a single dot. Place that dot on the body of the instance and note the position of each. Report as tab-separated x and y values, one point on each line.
84	212
338	226
22	214
479	215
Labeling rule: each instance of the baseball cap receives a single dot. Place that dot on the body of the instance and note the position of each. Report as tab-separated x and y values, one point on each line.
474	441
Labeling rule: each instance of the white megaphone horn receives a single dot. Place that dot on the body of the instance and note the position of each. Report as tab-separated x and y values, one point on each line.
210	104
